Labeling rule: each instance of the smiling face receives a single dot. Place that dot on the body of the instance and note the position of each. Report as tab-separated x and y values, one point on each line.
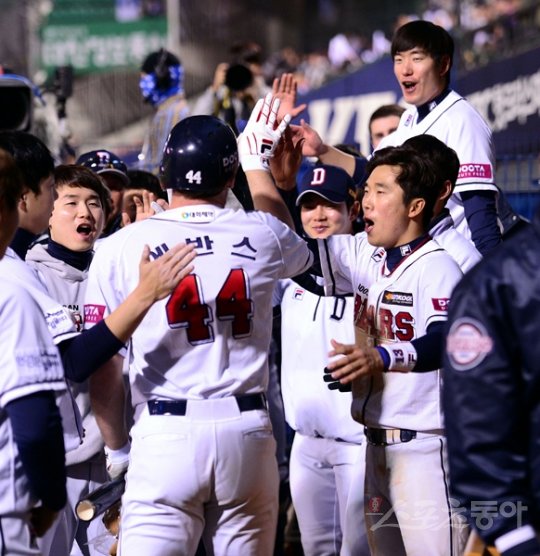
77	219
418	75
321	218
388	220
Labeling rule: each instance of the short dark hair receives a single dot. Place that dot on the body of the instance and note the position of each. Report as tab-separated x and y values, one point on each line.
75	175
11	184
386	110
444	160
32	156
417	176
434	39
141	179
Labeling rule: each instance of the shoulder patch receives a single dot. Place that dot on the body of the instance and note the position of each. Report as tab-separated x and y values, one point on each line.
467	344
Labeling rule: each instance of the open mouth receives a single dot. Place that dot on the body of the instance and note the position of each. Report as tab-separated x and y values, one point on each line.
408	86
368	225
84	229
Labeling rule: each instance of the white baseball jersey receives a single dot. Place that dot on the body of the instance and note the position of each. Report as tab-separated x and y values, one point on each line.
308	324
30	363
61	326
460	249
210	338
457	124
397	307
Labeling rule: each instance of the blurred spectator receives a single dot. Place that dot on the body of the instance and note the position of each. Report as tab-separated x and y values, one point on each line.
344	50
236	86
161	86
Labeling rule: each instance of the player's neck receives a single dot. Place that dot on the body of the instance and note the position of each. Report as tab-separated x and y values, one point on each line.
178	200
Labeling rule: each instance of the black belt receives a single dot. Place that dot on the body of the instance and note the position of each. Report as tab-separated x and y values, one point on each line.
246	402
383	437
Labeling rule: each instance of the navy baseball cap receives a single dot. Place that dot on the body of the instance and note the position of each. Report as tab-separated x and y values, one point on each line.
102	162
329	182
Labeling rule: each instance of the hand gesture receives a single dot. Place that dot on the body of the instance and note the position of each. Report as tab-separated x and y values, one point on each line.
260	138
313	144
158	278
140	206
284	88
356	362
285	163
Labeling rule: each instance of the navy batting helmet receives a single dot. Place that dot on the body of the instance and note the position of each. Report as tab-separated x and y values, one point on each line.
200	155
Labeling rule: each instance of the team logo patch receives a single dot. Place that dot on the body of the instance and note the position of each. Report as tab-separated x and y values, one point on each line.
375	505
398	298
378	255
298	293
472	170
467	344
440	303
409	120
93	313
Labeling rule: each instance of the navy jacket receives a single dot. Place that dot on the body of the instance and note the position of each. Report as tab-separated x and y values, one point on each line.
491	390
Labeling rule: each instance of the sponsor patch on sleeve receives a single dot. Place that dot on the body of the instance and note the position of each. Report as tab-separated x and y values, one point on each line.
440	303
93	313
473	170
467	344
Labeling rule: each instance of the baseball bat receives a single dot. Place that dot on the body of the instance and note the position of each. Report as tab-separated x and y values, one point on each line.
100	499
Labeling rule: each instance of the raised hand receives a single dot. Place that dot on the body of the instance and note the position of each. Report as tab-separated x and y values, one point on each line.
285	88
260	138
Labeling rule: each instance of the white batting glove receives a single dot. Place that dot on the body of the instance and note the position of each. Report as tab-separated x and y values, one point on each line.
260	138
117	460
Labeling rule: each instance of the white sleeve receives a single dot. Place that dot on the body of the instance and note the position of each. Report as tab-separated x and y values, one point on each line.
437	288
348	263
471	138
29	360
101	297
295	253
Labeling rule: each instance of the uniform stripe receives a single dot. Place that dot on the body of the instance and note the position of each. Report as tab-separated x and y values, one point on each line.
447	495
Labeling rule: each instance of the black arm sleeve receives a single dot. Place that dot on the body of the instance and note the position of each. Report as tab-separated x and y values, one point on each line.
37	430
85	353
307	280
481	213
429	348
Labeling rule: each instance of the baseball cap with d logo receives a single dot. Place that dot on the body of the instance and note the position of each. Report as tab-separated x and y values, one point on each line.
329	182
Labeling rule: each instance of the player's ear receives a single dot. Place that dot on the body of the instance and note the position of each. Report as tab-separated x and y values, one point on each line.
354	210
444	65
23	200
416	206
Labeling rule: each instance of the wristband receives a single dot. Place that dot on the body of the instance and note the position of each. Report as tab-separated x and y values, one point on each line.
118	456
402	355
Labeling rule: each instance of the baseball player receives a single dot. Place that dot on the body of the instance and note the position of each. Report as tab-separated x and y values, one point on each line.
384	121
399	319
202	460
402	281
62	265
446	164
328	450
423	55
491	397
113	170
32	464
